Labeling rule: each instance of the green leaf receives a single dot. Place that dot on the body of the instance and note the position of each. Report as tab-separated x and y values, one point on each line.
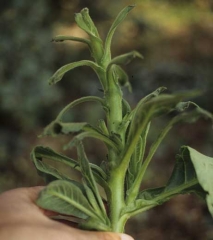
183	180
137	157
92	133
204	169
85	22
189	117
79	101
88	175
40	153
143	114
61	38
121	16
125	58
61	71
122	77
94	225
147	98
66	198
192	115
46	170
55	128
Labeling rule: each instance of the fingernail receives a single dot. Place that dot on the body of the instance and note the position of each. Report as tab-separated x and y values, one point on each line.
125	237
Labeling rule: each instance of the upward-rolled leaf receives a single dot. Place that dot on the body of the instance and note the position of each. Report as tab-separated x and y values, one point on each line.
121	16
61	71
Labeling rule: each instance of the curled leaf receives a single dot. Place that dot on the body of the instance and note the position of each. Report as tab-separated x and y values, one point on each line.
121	16
61	71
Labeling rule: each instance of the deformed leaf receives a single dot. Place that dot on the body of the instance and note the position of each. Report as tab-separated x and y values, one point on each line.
61	71
125	58
77	102
61	38
92	133
122	77
88	175
183	180
56	127
204	169
121	16
48	172
85	22
65	198
39	153
143	114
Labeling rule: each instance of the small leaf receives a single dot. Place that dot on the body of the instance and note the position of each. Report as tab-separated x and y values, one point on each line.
121	16
204	169
61	38
65	198
79	101
85	22
55	128
192	115
125	58
92	133
122	77
61	71
88	175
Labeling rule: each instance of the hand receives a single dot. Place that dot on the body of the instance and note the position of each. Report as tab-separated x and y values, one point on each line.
22	219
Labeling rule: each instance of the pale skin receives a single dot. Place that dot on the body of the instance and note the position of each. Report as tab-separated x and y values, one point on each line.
22	219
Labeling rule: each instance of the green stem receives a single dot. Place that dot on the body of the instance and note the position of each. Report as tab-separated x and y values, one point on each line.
116	184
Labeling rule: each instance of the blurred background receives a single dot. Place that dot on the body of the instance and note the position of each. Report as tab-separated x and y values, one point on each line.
176	40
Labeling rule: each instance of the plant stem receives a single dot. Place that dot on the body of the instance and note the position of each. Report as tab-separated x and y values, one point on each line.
116	184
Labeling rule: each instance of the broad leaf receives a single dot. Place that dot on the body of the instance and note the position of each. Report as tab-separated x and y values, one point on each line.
61	71
65	198
204	169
